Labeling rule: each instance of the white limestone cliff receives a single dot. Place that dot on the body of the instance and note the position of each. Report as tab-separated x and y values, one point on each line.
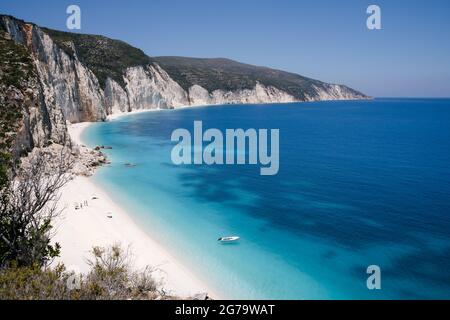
116	98
150	87
259	94
333	92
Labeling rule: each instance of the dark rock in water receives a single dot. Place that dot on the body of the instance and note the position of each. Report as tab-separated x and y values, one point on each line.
130	165
97	148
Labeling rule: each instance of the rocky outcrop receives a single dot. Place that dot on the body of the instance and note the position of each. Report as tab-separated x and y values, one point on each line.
86	160
79	160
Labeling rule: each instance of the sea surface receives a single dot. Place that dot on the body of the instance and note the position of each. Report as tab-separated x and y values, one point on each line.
360	183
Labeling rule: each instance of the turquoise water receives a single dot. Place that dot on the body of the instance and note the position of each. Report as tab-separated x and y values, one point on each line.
360	183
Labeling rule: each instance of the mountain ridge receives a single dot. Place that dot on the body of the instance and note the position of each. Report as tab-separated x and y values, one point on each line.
88	77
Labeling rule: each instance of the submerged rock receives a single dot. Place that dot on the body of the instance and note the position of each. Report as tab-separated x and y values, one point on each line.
130	165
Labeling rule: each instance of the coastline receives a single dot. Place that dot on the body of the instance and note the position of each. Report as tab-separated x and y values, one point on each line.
113	116
104	223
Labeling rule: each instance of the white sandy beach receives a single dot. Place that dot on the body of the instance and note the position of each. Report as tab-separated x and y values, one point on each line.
103	223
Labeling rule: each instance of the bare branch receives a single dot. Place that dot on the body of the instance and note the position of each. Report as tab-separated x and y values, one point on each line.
28	205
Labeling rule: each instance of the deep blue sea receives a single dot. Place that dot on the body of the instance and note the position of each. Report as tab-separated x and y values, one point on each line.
360	183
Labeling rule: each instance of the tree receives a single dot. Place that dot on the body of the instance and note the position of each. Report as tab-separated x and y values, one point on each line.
28	205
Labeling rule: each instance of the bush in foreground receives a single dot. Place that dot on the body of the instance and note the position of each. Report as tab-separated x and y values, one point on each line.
110	278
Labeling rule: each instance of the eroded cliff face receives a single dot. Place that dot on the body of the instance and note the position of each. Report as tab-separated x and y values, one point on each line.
28	121
116	98
334	92
150	87
260	94
30	126
68	87
62	90
65	90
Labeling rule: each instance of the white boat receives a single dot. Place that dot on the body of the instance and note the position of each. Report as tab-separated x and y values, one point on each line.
228	239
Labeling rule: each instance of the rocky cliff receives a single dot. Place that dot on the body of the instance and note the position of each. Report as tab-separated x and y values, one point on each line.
27	119
79	78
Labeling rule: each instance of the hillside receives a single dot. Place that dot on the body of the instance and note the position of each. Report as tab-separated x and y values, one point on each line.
229	75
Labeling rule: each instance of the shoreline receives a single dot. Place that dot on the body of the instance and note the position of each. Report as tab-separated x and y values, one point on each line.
102	222
115	116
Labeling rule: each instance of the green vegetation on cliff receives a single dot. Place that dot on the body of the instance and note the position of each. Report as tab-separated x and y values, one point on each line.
16	64
105	57
16	68
229	75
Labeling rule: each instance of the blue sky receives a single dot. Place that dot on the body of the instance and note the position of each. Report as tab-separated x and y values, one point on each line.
322	39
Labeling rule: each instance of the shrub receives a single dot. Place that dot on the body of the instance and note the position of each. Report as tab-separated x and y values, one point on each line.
110	278
34	283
